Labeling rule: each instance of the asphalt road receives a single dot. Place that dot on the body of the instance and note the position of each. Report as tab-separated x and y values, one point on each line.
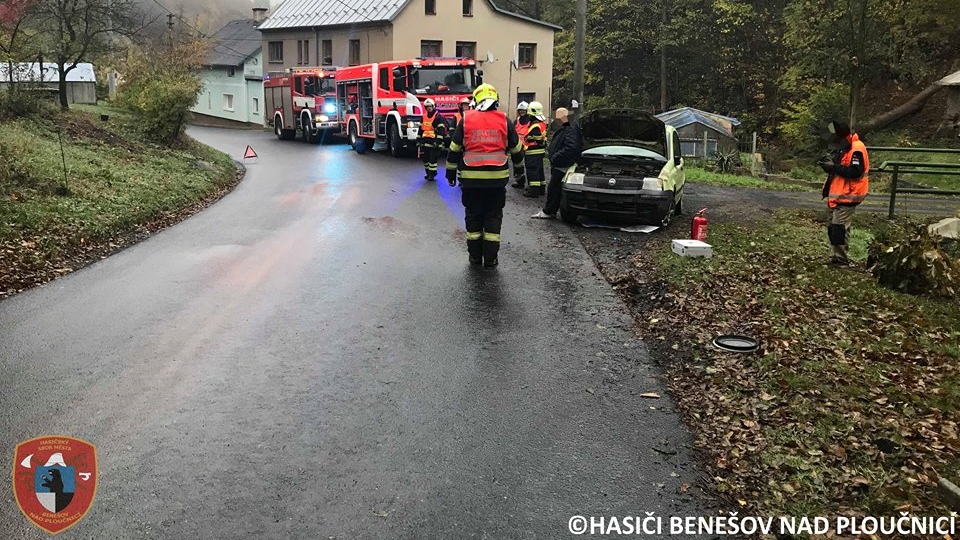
312	357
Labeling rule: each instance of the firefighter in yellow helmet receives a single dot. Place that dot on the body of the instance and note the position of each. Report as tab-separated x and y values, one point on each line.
534	150
433	129
478	151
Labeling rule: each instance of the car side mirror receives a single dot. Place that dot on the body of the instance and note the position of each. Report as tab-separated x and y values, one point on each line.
677	160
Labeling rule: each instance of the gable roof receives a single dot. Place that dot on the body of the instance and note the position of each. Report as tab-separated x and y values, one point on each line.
685	116
27	72
309	13
234	43
950	80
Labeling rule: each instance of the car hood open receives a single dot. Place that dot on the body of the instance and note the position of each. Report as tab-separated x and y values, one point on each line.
623	127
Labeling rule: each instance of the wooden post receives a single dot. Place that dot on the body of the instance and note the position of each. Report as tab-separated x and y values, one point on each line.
754	170
705	147
893	189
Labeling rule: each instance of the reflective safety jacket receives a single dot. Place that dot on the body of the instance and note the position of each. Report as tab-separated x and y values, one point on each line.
849	182
479	148
535	141
523	124
432	126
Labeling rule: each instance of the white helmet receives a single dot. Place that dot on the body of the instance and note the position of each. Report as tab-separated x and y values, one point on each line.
429	103
536	110
522	106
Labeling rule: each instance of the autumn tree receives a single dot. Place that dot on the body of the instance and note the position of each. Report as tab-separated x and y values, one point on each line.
78	30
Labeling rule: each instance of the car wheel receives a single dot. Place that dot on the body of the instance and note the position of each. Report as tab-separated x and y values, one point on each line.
567	214
393	138
665	222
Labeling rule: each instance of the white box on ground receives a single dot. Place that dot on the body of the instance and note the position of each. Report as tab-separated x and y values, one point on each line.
692	248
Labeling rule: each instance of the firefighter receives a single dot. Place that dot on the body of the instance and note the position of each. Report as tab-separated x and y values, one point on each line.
534	150
846	186
522	124
479	152
463	108
433	129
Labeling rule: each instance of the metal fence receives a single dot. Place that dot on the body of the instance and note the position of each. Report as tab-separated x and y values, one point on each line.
898	168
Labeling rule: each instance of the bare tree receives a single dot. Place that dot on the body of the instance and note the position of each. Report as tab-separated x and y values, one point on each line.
78	30
14	36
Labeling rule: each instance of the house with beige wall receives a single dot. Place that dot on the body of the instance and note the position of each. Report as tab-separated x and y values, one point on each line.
514	52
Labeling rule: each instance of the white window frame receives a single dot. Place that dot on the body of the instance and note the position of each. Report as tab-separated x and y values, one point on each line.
227	102
256	106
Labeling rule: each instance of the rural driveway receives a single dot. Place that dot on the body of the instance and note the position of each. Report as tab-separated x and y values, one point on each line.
312	357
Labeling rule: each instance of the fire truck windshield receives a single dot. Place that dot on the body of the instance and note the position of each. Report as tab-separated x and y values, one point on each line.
443	80
314	86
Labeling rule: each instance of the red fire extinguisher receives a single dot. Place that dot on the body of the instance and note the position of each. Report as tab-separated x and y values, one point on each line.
698	227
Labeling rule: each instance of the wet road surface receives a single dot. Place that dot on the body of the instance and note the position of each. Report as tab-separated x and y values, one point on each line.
312	357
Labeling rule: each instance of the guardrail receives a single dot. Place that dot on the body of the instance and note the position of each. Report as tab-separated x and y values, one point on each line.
898	167
895	168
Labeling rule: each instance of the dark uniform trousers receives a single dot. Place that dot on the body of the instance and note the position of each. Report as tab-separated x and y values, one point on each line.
430	155
533	163
483	209
554	191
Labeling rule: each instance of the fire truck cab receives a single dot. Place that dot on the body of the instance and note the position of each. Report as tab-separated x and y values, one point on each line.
301	99
382	103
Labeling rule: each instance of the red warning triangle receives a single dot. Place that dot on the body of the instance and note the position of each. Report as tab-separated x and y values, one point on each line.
249	153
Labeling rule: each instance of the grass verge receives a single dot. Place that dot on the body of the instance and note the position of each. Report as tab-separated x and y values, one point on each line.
117	188
852	403
703	176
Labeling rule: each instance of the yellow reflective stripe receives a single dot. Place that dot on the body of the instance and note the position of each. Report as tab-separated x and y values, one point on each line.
485	175
474	235
536	184
451	165
476	159
491	237
536	152
454	147
517	149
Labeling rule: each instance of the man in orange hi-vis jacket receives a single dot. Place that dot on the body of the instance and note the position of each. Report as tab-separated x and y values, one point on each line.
846	186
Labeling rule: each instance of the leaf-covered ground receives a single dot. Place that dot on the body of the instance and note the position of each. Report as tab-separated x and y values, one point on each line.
118	188
852	403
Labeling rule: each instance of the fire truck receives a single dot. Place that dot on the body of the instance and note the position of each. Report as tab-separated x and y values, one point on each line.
382	103
302	99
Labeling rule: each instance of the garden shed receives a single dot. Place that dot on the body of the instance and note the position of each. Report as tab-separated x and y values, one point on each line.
952	84
81	81
694	125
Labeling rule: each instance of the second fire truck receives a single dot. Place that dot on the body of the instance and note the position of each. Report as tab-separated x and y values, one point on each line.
382	103
302	99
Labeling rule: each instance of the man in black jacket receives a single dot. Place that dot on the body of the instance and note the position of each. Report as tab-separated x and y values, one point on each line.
564	152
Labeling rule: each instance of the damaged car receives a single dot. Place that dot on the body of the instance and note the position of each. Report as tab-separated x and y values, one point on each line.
631	170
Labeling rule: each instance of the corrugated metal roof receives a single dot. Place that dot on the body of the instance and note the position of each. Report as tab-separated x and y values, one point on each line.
685	116
950	80
235	42
307	13
27	72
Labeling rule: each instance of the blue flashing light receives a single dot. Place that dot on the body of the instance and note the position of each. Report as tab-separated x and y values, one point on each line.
330	108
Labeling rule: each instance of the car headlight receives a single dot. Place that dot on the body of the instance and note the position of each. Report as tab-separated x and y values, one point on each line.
330	108
653	184
575	179
322	118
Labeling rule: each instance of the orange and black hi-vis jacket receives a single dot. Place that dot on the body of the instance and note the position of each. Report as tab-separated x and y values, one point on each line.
432	126
849	182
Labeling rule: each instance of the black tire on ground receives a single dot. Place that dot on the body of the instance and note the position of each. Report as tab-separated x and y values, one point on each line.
665	222
567	214
282	134
359	143
393	140
306	129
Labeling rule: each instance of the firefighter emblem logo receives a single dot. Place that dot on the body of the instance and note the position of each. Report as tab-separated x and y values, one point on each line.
55	480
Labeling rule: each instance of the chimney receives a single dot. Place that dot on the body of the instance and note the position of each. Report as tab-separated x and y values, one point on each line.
259	14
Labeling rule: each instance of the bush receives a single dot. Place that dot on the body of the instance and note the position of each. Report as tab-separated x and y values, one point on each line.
160	86
916	265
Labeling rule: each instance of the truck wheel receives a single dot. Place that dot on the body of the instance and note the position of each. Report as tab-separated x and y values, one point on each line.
393	136
282	134
306	129
359	143
567	214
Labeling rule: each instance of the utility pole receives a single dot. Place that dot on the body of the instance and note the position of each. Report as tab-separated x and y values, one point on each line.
578	59
663	56
170	29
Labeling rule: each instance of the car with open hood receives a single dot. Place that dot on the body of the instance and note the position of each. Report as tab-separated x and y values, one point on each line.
631	170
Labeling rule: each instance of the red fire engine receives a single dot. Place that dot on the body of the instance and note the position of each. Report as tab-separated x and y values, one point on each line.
382	103
302	99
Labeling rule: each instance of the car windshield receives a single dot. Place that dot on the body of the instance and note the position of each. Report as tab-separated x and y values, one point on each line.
443	80
620	151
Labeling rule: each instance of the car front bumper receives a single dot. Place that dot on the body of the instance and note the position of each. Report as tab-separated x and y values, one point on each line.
647	206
